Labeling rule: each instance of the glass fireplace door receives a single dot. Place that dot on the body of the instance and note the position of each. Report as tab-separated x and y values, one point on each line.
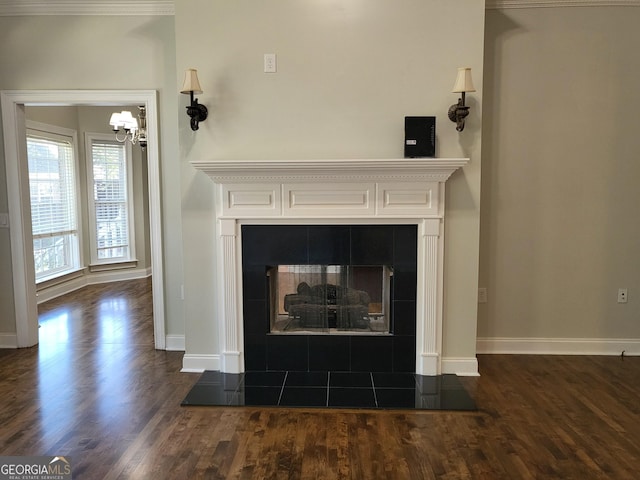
326	299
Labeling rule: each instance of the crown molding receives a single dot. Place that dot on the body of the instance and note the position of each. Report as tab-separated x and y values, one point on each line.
10	8
508	4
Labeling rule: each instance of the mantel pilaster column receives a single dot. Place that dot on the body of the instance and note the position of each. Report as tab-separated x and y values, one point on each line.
231	359
429	327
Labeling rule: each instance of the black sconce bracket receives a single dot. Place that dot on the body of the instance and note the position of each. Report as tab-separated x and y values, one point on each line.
197	112
458	112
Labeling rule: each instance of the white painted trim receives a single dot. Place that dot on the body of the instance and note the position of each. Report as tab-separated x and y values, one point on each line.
232	362
458	366
167	7
23	269
559	346
94	278
330	170
62	288
155	220
8	340
119	275
24	287
82	7
175	343
200	363
508	4
462	366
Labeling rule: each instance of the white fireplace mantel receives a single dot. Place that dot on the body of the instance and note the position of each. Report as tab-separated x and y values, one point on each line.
397	169
404	190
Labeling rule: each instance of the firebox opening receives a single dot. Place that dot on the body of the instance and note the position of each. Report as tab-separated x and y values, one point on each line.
330	299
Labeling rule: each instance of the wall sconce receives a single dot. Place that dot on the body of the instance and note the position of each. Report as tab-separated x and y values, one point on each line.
464	84
131	130
191	85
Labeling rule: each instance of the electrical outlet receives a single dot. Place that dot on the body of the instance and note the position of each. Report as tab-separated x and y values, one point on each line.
482	295
622	295
270	63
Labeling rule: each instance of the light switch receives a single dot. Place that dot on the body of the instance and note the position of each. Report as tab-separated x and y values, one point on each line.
4	220
269	63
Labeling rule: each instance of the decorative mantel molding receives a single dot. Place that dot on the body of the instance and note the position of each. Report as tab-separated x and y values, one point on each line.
338	191
394	169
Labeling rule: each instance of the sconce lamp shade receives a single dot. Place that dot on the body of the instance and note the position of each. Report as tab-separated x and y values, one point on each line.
191	83
464	83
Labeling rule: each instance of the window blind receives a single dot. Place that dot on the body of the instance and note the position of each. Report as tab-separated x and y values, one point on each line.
109	164
52	189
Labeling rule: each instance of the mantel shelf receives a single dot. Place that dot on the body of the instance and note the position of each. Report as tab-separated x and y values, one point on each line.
396	169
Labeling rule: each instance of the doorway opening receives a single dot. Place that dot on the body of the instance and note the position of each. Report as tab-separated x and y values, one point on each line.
14	126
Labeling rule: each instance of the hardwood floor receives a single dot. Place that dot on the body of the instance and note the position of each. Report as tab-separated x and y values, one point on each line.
97	391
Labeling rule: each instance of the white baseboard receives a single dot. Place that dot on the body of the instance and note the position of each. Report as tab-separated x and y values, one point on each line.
54	291
464	367
174	343
118	275
91	278
460	366
8	340
200	363
558	346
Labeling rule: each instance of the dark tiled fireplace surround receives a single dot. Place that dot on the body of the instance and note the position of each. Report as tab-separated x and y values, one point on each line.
265	246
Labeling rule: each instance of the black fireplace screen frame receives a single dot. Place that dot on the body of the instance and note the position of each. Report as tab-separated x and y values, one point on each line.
329	299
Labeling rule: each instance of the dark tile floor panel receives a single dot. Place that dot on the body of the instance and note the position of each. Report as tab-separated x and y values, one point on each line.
331	390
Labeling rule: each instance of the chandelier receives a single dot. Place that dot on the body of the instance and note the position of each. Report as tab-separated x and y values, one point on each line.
126	127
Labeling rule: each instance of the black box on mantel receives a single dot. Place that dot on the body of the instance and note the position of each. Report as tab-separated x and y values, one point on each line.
419	137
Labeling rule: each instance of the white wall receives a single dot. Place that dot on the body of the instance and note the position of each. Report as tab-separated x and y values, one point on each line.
348	73
560	229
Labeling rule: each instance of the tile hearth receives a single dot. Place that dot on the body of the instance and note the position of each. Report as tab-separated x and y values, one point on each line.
370	390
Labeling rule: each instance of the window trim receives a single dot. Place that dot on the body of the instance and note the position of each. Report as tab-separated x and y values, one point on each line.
123	262
58	133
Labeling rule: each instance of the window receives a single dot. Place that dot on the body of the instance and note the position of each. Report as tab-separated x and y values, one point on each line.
54	208
110	200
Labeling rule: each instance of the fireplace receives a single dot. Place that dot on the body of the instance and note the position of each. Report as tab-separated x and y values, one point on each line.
274	214
330	276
